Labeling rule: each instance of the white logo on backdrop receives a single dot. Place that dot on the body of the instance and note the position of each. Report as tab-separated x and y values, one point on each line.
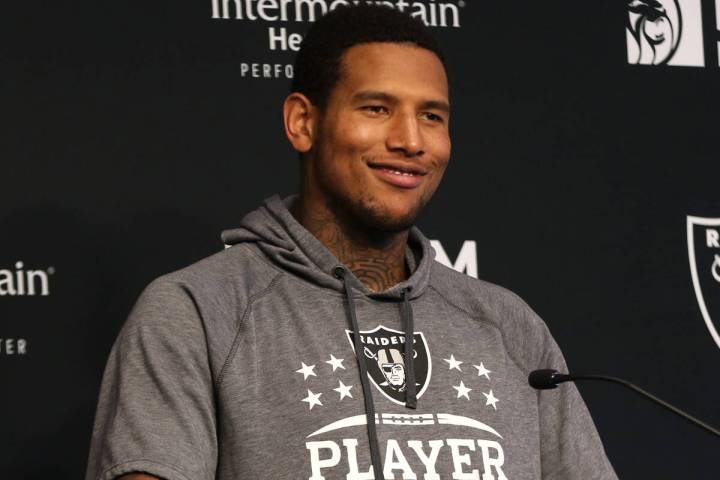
665	32
283	12
466	261
23	282
13	346
705	267
432	13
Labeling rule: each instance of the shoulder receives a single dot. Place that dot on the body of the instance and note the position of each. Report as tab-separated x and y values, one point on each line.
480	297
524	332
203	303
229	277
214	293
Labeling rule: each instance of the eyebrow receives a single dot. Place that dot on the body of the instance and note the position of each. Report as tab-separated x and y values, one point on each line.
366	95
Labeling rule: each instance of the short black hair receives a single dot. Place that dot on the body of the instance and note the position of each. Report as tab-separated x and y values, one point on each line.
317	65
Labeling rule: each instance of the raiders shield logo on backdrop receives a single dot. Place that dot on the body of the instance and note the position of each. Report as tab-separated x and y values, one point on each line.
704	251
384	352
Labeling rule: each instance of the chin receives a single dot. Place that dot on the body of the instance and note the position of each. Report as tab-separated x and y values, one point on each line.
386	218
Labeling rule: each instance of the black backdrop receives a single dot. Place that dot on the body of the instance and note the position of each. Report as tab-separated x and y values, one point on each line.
131	137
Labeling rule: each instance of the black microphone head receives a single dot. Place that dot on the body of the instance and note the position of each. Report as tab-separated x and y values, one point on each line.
543	379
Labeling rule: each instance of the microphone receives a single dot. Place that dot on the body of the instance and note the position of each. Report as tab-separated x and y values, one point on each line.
548	378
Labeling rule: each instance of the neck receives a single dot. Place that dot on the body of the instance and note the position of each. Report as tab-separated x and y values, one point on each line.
377	259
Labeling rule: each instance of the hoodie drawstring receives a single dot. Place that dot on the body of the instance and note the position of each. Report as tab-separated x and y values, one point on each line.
409	328
410	389
367	395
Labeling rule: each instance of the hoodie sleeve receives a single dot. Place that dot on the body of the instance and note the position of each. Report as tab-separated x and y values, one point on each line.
156	411
570	447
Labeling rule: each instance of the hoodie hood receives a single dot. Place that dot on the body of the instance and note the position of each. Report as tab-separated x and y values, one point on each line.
293	248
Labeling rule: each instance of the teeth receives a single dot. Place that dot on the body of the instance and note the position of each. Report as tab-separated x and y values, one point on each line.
398	172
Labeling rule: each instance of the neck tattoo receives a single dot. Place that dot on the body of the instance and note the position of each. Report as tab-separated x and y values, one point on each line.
379	263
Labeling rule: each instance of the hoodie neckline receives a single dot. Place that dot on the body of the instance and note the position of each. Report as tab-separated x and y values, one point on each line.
293	247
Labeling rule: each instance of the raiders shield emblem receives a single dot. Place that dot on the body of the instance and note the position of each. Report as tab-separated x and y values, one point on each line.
383	350
704	251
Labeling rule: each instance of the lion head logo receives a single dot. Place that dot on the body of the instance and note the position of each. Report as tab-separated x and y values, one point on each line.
655	27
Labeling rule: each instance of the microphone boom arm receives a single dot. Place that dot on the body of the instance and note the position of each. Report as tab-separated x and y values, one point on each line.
645	394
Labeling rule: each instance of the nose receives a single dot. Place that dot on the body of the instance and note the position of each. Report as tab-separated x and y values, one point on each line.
405	135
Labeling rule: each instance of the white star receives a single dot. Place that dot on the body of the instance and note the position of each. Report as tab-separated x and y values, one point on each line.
482	371
344	390
453	363
491	400
335	362
312	399
306	371
462	390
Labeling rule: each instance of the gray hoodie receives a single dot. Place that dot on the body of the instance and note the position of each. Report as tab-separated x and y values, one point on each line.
271	360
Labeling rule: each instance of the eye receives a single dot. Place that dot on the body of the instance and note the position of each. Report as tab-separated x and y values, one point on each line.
432	117
375	109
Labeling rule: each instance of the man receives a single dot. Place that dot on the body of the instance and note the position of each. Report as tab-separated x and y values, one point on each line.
268	360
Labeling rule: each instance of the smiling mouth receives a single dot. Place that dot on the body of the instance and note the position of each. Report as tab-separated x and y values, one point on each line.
410	171
398	174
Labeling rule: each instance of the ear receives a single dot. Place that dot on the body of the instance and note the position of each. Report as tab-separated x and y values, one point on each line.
300	117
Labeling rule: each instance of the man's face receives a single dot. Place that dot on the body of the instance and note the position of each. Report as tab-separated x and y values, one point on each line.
394	373
383	140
